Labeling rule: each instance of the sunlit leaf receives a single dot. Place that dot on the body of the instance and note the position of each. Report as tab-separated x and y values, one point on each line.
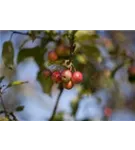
8	54
46	83
15	83
81	58
85	35
84	44
20	108
4	119
92	51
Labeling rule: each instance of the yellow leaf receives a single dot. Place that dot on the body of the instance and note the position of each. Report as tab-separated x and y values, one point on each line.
82	59
84	35
3	119
14	83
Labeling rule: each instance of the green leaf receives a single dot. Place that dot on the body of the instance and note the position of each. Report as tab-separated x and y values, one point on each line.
1	78
37	53
20	108
8	54
25	53
14	83
85	35
90	51
59	116
81	58
46	83
74	105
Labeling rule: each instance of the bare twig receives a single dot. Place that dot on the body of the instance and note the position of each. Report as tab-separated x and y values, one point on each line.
22	33
14	117
11	114
3	105
121	65
56	105
116	69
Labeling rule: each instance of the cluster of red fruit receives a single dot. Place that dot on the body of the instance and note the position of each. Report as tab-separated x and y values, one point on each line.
66	77
60	51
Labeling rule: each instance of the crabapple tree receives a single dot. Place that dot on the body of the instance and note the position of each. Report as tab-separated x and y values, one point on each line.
72	59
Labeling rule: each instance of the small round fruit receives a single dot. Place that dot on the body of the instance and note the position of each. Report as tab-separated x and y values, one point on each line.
56	76
77	77
52	56
63	50
131	70
68	85
66	75
108	112
47	73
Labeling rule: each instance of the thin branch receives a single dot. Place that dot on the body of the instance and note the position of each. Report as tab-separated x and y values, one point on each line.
121	65
22	33
3	105
56	105
14	117
12	114
116	69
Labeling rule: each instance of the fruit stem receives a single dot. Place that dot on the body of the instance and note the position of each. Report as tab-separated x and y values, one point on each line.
74	68
56	105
